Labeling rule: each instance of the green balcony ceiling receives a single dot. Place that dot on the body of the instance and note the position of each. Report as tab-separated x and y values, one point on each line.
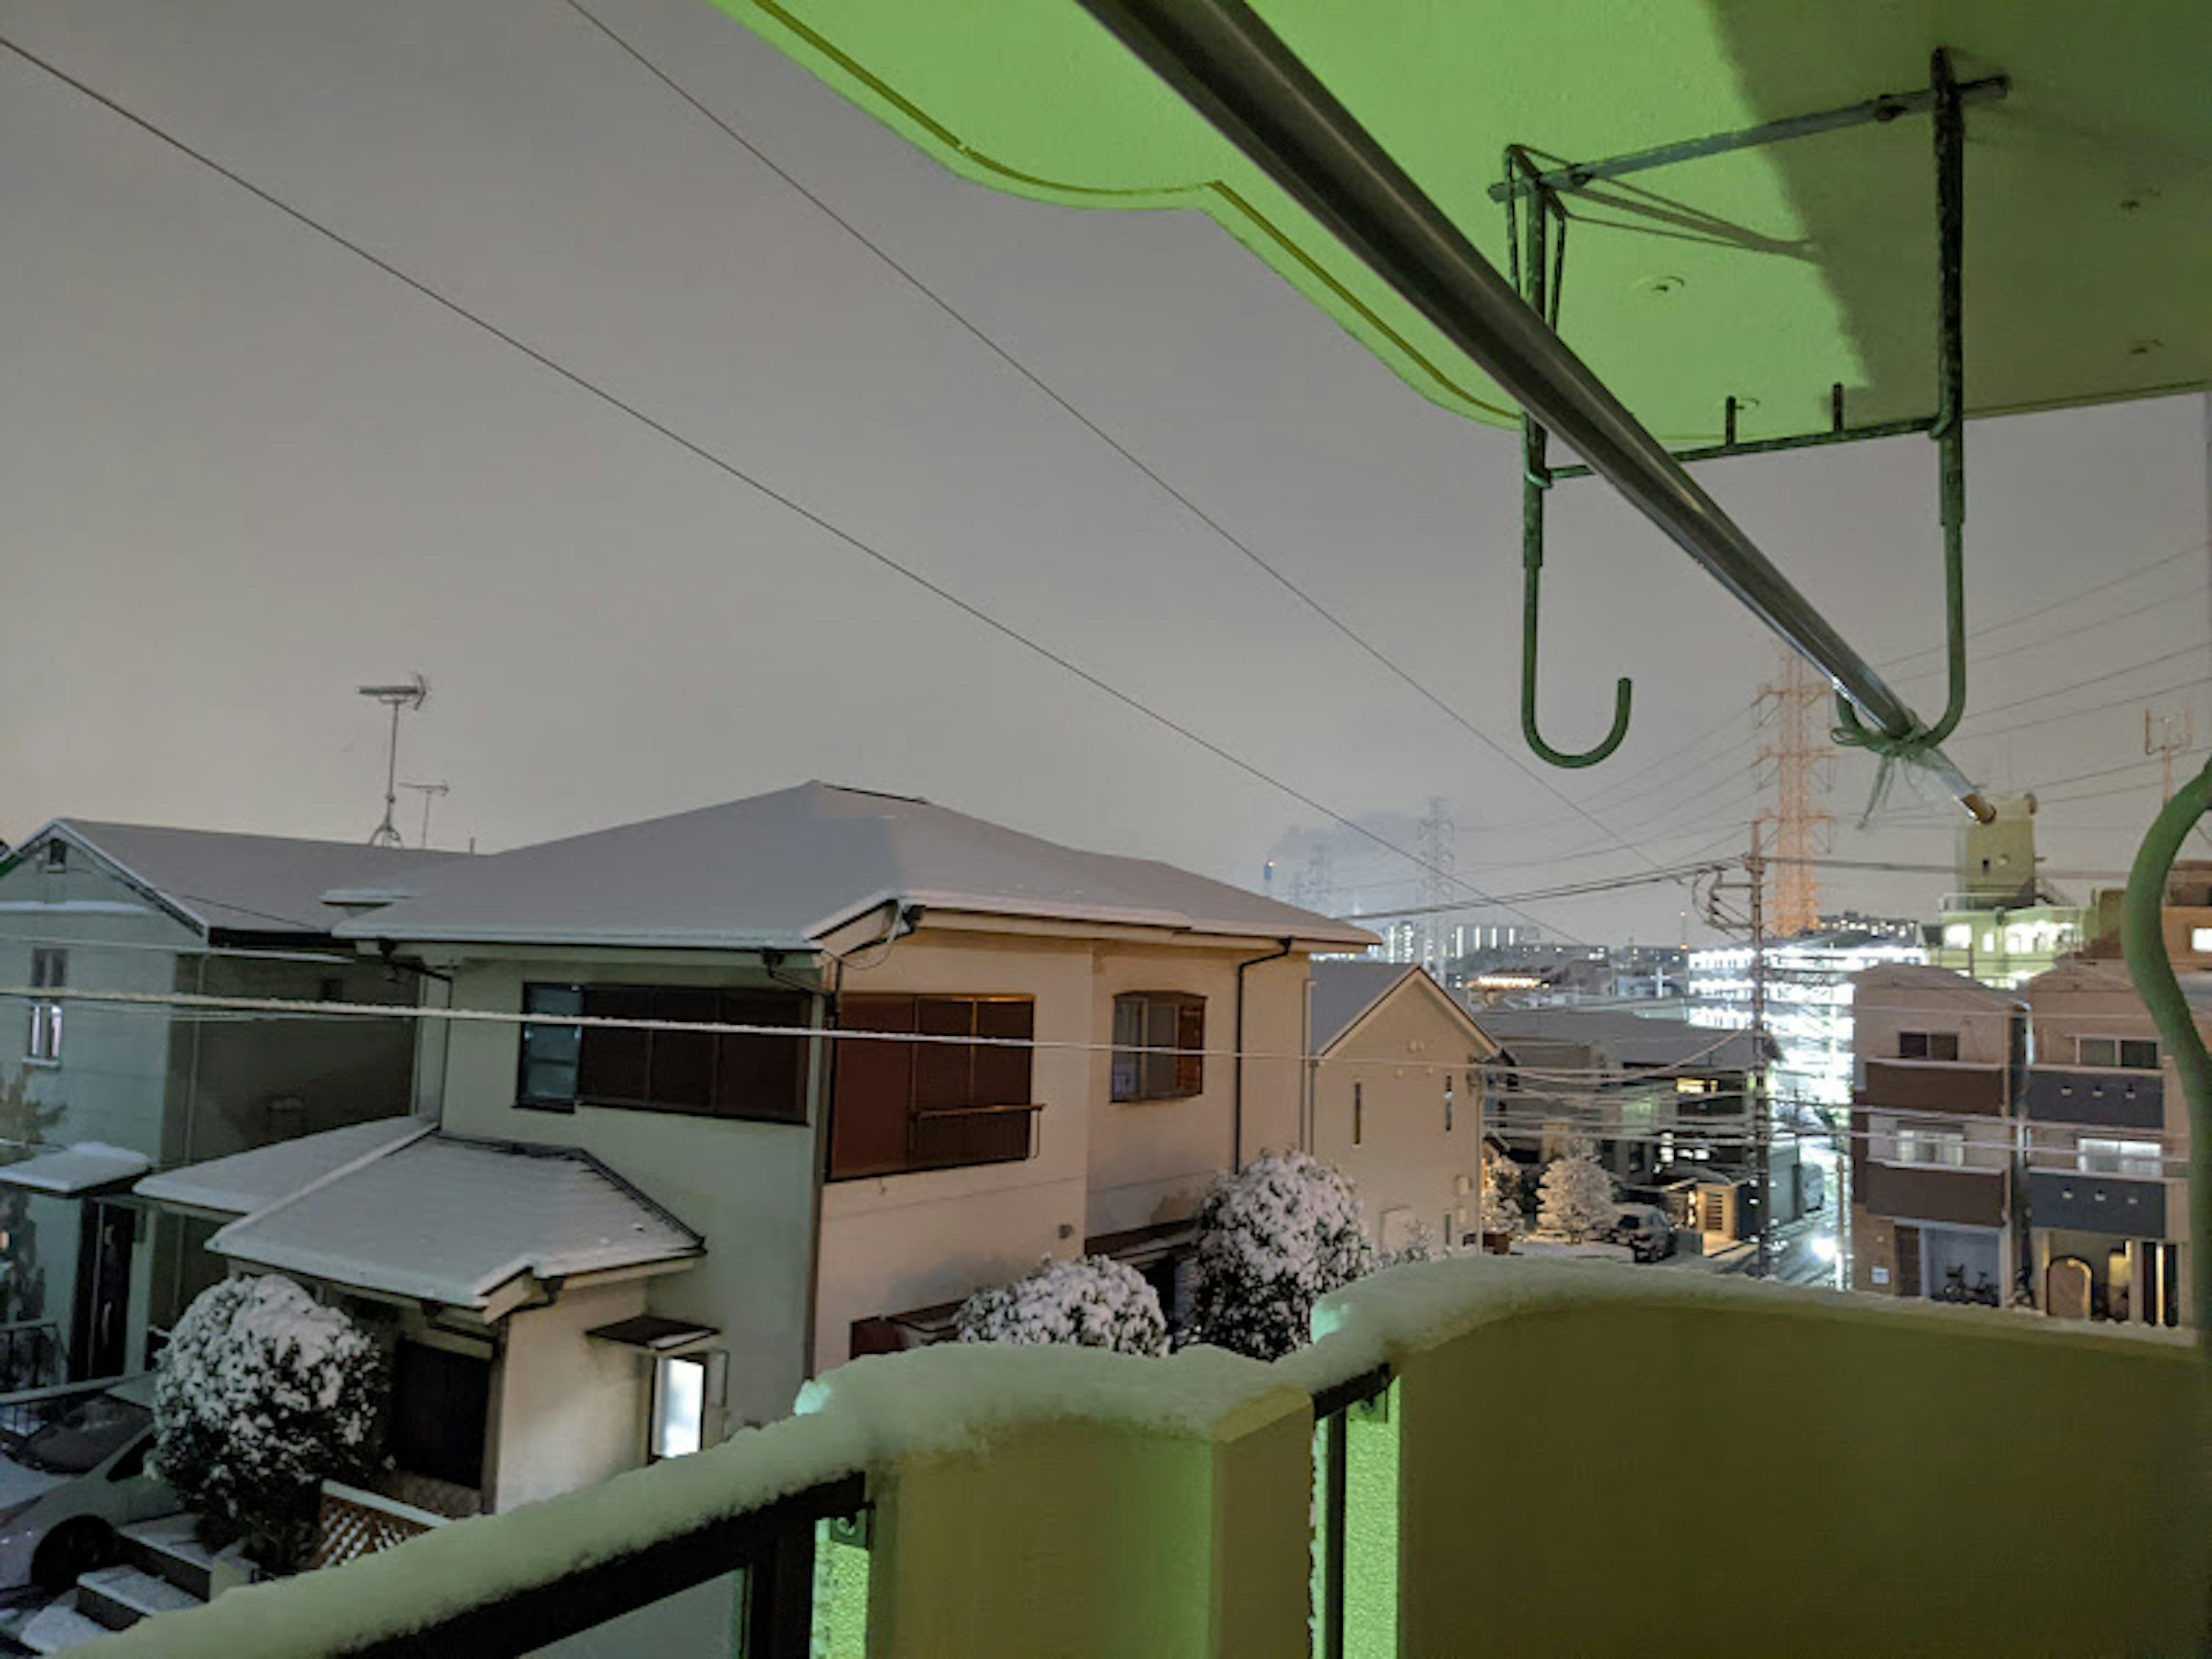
1764	274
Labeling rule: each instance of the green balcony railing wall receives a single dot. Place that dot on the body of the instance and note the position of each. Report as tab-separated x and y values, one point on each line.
1539	1458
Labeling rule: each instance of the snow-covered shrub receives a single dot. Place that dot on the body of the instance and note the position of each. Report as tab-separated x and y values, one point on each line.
1274	1239
261	1394
1500	1210
1420	1245
1091	1301
1575	1199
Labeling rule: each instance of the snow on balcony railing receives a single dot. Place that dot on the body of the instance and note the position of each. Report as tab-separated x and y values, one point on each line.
1482	1412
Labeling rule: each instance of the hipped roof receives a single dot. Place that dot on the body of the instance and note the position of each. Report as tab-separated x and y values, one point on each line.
783	870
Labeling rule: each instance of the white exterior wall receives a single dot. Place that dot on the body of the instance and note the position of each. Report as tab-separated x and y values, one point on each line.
748	1188
1405	1158
567	1411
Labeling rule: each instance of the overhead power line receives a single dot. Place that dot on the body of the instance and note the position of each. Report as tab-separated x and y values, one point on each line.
791	503
1388	662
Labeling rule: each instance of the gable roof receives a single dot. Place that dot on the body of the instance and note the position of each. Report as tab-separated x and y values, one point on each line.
446	1219
218	881
1346	993
782	870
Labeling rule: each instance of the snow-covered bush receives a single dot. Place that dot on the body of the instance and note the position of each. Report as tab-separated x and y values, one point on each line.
1274	1237
261	1394
1575	1199
1500	1209
1091	1301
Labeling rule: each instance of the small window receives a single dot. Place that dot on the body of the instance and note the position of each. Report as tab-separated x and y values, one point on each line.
1448	1105
680	1405
1940	1145
1358	1113
49	972
2200	941
1928	1045
57	856
2134	1053
1160	1039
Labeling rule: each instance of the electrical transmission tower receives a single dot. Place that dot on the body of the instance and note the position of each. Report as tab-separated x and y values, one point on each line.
1436	844
1313	888
1793	767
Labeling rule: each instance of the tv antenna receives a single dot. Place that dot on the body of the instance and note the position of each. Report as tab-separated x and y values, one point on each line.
413	695
428	790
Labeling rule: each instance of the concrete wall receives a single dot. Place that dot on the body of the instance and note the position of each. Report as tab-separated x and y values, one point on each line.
1400	1060
567	1411
1101	1540
1839	1564
748	1187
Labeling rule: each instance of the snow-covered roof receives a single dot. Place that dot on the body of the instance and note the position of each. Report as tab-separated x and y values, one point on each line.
1346	993
240	883
86	1167
450	1220
1630	1039
246	1181
784	869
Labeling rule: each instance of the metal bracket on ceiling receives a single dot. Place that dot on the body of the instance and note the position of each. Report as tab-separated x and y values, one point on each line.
1877	111
1945	99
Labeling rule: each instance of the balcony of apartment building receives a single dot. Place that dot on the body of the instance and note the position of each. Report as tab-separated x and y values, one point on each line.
1420	1480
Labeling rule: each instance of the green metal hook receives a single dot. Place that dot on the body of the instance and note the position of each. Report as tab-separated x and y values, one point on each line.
1536	478
1623	690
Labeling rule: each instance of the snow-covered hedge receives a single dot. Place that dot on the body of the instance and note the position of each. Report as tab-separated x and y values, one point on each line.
1091	1301
1274	1239
261	1394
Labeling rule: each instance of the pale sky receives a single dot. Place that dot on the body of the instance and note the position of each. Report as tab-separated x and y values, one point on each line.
243	470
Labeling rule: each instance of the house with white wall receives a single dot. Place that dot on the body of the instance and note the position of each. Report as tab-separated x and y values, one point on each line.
1398	1095
133	911
874	1054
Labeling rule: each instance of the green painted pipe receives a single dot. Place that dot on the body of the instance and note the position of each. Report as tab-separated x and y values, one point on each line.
2143	942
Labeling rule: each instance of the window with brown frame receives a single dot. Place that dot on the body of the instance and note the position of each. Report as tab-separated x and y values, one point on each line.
699	1073
1928	1045
1150	1027
899	1107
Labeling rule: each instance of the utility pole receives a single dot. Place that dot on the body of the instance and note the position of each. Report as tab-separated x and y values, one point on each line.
1762	1121
1750	921
2167	736
1794	762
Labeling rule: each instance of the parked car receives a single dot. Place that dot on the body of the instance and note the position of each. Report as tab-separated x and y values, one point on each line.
67	1482
1646	1231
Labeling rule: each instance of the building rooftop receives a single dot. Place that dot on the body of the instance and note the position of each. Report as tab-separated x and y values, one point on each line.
441	1219
1633	1040
782	870
220	881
